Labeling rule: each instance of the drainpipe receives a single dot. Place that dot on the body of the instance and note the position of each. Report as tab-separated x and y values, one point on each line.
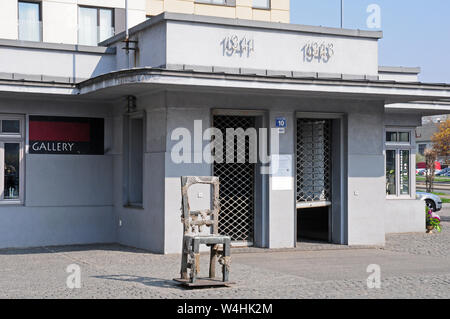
127	35
127	40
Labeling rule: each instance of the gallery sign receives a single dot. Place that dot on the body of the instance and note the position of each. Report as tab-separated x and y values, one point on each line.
66	135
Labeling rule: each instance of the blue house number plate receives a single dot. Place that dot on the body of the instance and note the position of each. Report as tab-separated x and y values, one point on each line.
281	122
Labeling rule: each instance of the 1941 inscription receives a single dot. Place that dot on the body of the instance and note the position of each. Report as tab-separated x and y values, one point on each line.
234	45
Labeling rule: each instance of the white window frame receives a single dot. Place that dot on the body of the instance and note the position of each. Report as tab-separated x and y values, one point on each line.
398	147
18	138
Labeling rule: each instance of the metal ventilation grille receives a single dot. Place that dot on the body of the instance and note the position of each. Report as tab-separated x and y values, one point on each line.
236	184
313	160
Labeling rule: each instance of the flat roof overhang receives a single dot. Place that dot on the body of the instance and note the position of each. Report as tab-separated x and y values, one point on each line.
141	81
332	86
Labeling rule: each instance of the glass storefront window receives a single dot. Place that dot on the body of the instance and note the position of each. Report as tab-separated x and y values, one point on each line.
12	169
11	158
404	172
399	146
391	185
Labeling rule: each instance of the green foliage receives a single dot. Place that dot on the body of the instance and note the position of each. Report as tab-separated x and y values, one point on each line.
420	158
433	220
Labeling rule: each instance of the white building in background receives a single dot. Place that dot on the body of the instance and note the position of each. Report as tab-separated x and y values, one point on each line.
71	22
88	22
424	133
86	131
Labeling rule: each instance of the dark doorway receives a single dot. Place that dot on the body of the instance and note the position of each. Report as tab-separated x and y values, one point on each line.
314	180
313	224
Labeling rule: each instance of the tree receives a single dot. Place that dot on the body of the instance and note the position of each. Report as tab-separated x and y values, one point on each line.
420	158
441	141
430	160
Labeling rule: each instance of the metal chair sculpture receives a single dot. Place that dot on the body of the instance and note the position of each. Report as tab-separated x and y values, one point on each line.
194	222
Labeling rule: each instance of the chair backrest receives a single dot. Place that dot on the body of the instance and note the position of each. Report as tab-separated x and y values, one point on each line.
194	221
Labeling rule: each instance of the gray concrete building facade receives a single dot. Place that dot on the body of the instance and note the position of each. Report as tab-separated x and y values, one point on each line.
346	153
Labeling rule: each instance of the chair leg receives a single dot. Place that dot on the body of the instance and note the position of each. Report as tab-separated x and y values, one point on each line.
226	256
212	262
195	267
184	259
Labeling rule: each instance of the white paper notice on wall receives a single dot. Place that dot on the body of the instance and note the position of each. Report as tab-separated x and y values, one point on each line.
281	169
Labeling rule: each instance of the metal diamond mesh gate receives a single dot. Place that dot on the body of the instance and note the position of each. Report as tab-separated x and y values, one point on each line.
236	183
313	160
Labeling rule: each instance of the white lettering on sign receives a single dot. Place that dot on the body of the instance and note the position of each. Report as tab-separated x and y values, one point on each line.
233	45
52	147
322	52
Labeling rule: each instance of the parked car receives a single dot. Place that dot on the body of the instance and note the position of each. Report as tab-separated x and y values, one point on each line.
444	172
423	172
433	202
420	171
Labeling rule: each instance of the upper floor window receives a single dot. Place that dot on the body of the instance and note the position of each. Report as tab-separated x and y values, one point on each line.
30	21
11	158
422	148
94	25
398	162
262	4
222	2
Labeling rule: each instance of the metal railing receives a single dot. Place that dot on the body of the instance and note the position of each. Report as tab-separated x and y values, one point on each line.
313	161
236	183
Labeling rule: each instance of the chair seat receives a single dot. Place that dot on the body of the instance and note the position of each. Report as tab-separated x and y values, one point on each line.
206	236
208	239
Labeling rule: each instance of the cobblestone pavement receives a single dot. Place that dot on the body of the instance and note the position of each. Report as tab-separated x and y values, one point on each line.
412	266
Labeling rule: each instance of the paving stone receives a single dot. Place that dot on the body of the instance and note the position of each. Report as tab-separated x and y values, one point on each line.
412	266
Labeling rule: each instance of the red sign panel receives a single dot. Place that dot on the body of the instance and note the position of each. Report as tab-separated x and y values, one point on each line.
66	135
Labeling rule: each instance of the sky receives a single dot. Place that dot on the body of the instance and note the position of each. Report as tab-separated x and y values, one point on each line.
415	32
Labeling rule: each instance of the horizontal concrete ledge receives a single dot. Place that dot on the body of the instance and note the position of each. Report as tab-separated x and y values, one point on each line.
200	71
171	16
266	73
399	69
442	107
39	78
56	46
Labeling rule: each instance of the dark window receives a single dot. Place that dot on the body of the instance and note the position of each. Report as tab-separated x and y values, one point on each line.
134	167
422	148
398	137
391	185
391	136
10	126
12	169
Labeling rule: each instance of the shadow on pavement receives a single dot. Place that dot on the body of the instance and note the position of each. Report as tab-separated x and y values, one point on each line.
148	281
70	248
